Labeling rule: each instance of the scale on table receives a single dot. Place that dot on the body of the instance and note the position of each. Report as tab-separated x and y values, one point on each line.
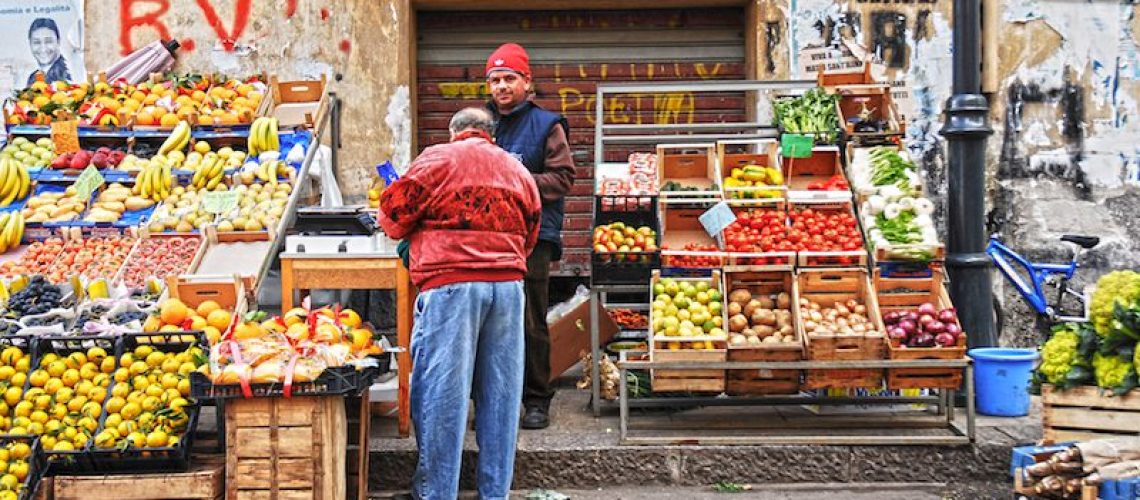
349	231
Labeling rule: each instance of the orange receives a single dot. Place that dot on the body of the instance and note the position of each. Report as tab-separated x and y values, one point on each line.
213	335
169	120
244	331
327	333
145	117
349	318
208	306
229	119
361	339
298	331
218	318
205	119
173	312
138	96
151	99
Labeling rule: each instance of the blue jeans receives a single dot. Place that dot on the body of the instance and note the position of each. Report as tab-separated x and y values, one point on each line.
465	333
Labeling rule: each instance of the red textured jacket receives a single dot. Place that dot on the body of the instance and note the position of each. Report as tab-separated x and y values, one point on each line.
470	211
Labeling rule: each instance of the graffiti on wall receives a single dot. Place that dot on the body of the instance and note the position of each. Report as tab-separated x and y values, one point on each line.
151	15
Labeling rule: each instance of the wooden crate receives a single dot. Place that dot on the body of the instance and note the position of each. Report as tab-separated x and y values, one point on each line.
1083	413
193	291
301	103
665	348
202	482
824	163
905	294
690	165
838	285
681	226
758	261
286	448
762	152
876	97
845	77
761	382
833	259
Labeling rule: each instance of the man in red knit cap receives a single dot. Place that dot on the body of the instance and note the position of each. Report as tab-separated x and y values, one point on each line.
540	139
471	213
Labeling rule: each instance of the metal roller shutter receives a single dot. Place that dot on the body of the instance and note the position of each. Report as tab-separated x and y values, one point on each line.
570	52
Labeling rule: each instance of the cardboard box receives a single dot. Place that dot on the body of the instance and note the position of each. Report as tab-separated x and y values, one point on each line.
570	336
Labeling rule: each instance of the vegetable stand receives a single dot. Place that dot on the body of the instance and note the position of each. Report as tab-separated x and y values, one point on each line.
795	228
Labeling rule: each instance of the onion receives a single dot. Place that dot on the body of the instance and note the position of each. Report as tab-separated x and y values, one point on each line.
908	326
858	328
922	340
897	334
927	308
851	303
810	325
947	316
891	318
953	329
911	315
945	339
934	327
860	309
925	319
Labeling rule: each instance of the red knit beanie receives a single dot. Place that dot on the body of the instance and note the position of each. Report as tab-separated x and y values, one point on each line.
510	57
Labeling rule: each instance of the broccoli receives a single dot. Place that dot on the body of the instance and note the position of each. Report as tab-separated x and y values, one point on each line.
1065	356
1115	287
1114	373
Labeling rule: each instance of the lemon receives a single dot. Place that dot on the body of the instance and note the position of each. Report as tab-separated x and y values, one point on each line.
20	470
156	439
56	368
20	451
12	395
63	445
130	411
6	372
23	409
107	365
11	355
96	354
9	482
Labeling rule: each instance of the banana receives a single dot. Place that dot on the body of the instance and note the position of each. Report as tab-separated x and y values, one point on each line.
254	143
178	139
140	182
197	179
13	235
5	172
213	183
19	228
25	182
274	140
6	233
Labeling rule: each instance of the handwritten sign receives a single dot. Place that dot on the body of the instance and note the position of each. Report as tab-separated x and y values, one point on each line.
717	218
65	136
796	145
220	202
88	182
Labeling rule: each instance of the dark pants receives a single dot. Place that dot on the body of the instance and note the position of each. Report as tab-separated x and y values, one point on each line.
536	388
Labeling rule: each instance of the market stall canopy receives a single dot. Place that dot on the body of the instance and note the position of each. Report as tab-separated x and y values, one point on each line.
157	56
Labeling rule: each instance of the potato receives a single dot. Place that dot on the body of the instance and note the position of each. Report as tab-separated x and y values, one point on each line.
786	330
751	307
764	331
740	296
734	309
783	301
755	340
748	332
737	339
767	303
764	317
737	323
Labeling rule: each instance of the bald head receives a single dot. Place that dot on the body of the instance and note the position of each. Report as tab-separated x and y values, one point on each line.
471	119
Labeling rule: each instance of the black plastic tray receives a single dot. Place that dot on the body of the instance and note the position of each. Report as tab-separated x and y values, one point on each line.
608	269
337	381
36	464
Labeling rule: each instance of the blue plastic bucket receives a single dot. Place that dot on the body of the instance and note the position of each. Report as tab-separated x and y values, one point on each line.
1001	379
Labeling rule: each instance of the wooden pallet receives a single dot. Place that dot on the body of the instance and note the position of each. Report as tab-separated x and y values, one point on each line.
763	382
286	448
202	482
905	294
828	286
1083	413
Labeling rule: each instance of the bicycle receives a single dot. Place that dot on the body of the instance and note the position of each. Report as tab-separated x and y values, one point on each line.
1042	275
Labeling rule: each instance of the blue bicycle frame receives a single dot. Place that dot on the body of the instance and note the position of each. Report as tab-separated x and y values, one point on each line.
1040	274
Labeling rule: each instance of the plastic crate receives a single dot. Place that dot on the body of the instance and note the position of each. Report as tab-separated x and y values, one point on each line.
1024	456
36	464
336	381
166	459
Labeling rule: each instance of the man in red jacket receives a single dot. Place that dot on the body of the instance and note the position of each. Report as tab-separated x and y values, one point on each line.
471	213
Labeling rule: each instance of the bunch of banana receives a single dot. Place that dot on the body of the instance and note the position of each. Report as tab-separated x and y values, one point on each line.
178	140
14	181
263	136
268	171
210	172
155	181
11	230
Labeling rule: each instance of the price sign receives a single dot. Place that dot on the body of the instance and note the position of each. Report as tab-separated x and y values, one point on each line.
88	182
717	218
796	145
220	202
65	136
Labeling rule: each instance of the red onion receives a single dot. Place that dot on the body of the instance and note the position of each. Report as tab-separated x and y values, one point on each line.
922	340
953	329
925	319
946	339
897	334
927	308
908	326
911	315
892	317
947	316
934	327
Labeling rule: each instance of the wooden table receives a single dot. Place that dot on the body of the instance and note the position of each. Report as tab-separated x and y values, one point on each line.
302	273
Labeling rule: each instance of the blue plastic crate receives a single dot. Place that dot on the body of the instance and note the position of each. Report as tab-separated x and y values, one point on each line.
1022	456
1124	489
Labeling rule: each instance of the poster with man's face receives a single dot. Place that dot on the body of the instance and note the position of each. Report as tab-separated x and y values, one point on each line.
45	37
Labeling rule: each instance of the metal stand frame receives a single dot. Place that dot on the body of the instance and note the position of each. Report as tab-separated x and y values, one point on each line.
944	418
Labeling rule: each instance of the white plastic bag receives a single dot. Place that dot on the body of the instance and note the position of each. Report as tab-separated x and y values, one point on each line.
555	313
322	170
296	155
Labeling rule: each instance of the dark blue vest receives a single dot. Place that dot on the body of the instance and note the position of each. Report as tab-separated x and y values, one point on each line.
523	133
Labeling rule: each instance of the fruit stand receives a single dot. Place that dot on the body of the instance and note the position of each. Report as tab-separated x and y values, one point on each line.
780	264
136	224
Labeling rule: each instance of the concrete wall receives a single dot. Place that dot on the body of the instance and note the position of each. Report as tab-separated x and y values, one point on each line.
1064	77
364	41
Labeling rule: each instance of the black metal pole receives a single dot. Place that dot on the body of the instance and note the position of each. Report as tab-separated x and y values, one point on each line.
966	127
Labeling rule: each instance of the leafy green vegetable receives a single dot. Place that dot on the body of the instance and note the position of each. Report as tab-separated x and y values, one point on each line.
888	167
813	113
1114	287
1065	357
1115	373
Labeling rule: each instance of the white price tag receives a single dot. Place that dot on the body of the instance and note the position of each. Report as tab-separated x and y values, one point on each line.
717	218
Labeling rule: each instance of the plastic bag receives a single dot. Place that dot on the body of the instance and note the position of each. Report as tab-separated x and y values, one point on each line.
59	317
555	313
322	170
296	155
